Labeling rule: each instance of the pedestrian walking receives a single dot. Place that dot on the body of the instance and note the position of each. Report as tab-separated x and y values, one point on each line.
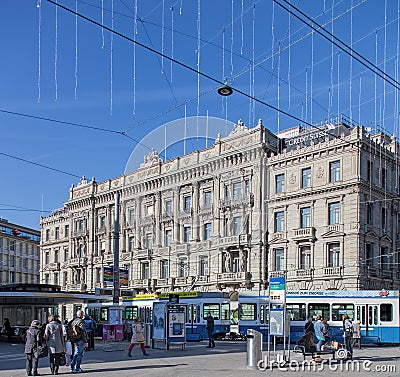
77	335
137	337
348	335
33	341
309	326
127	329
357	334
7	329
319	329
90	326
55	342
210	330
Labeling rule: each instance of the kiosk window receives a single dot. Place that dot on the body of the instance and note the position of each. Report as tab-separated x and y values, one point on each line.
297	312
104	314
386	312
213	309
339	309
248	312
131	312
318	309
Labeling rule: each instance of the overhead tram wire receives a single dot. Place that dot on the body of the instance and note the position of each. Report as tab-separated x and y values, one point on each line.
183	65
373	69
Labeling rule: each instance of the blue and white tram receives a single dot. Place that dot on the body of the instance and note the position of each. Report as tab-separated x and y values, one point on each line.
198	305
377	311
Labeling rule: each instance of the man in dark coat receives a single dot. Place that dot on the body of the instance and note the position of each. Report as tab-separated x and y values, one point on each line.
210	330
7	329
33	340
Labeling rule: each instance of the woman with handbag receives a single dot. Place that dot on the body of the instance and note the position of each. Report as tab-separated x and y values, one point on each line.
55	342
137	337
33	341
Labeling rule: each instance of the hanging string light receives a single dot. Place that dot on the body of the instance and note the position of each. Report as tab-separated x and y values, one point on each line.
162	35
134	54
102	22
172	38
56	53
39	6
232	21
111	57
76	49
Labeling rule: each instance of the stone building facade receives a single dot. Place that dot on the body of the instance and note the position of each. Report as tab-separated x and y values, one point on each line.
19	254
320	206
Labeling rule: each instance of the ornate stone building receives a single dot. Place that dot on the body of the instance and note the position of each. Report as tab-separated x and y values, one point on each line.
319	205
19	254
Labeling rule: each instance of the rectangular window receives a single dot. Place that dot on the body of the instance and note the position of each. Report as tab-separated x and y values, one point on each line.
46	257
203	266
305	217
383	178
131	241
149	241
55	278
279	183
369	171
247	188
213	309
187	233
132	216
370	216
13	245
237	191
237	226
334	254
279	260
248	312
318	309
102	222
334	171
164	269
383	218
306	177
297	312
55	256
168	207
57	233
145	270
207	199
149	210
369	254
168	237
339	309
207	231
334	213
66	254
187	203
227	192
47	234
183	267
305	257
279	221
66	230
386	312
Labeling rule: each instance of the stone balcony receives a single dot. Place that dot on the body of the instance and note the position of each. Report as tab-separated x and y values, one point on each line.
333	271
229	241
301	234
140	283
231	277
301	273
77	262
165	282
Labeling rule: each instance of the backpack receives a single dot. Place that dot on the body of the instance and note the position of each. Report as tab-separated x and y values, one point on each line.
74	332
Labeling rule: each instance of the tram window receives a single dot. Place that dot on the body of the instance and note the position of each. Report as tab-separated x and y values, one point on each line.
262	313
339	309
211	308
248	312
386	312
23	315
103	314
196	313
131	312
318	309
225	309
372	315
297	312
361	314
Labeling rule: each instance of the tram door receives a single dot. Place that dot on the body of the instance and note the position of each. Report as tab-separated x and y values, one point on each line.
192	318
368	317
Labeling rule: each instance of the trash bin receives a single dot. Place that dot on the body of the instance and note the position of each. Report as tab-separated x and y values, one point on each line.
254	348
147	335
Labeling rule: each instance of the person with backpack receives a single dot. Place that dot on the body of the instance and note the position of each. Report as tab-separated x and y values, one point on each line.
348	335
33	341
90	326
77	335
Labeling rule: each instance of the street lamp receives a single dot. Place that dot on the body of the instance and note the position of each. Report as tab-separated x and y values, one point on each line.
225	90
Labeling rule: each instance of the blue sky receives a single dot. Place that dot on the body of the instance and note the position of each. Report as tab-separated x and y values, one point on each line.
141	92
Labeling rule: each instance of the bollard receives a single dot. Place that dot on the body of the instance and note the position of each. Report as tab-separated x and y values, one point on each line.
147	335
254	348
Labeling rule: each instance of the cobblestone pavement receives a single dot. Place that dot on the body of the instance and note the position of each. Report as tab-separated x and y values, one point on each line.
227	359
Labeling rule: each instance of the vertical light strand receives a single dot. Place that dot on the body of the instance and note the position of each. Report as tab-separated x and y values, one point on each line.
306	114
223	66
111	57
135	12
207	128
351	63
289	59
397	79
242	27
198	66
56	53
376	63
279	84
332	63
39	6
272	35
76	48
162	35
232	37
165	143
384	66
338	86
184	132
252	65
102	22
311	77
180	8
172	38
359	102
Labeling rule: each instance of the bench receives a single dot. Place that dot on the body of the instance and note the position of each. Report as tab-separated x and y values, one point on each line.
313	353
